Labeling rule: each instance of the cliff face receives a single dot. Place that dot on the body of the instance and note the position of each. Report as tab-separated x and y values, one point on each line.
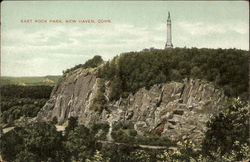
177	110
70	96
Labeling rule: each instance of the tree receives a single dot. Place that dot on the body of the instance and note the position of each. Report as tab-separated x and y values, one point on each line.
72	124
100	130
91	63
196	72
43	140
79	144
94	62
99	101
175	75
230	126
38	141
11	143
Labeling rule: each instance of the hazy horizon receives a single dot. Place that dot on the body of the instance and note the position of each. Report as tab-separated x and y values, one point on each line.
41	49
46	75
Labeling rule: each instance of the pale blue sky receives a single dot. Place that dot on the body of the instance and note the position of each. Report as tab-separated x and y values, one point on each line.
33	49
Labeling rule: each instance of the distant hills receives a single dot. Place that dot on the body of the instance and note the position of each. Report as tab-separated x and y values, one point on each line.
30	81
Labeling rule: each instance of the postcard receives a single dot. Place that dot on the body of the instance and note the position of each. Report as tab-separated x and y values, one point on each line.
124	81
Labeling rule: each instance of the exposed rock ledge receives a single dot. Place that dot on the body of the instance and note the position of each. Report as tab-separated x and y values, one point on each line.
177	110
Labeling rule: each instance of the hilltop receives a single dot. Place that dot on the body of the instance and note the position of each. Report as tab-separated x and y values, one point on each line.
226	68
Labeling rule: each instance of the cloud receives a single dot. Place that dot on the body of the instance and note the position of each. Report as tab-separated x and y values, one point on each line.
202	29
76	39
61	47
74	44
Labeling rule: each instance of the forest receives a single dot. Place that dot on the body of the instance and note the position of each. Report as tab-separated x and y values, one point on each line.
21	102
226	68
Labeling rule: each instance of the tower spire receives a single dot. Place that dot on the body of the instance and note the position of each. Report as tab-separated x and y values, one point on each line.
169	15
169	33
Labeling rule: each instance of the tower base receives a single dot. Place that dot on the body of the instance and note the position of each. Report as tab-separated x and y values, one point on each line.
167	46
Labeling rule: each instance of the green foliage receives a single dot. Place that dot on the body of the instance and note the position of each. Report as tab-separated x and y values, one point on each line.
117	153
197	73
100	130
124	132
35	142
154	140
123	125
34	92
41	142
11	143
185	152
72	124
227	68
121	132
79	144
99	101
22	101
230	126
25	155
92	63
23	108
129	153
98	157
182	152
141	155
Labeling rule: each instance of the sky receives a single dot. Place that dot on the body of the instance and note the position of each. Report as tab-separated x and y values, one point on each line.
40	49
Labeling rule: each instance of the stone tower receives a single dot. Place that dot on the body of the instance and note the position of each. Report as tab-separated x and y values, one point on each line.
169	33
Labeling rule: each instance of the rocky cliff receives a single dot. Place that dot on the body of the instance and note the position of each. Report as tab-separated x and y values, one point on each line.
175	109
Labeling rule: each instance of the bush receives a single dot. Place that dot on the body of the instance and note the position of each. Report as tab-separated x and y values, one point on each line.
229	127
99	101
92	63
100	130
79	144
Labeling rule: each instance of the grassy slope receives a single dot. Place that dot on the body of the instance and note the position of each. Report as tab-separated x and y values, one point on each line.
29	81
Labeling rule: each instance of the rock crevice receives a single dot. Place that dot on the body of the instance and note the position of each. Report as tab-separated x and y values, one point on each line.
175	109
